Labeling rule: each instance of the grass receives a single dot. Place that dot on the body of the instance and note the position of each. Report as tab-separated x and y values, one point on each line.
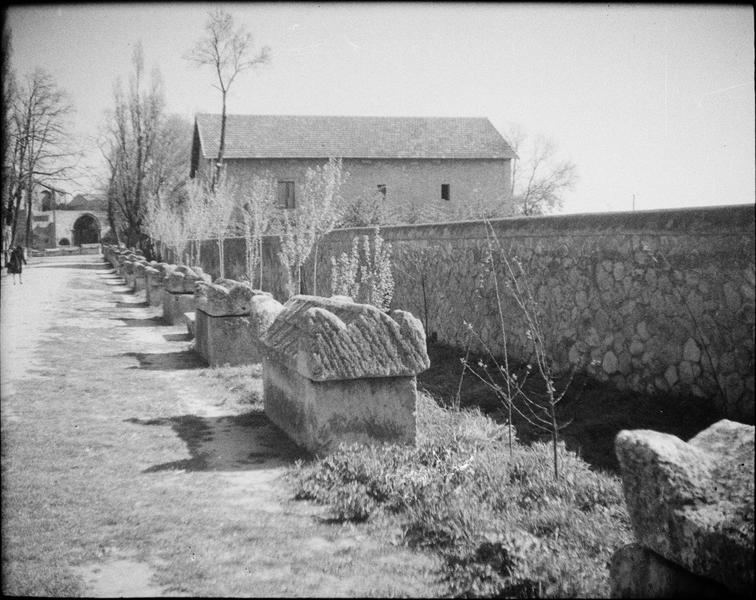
87	449
502	525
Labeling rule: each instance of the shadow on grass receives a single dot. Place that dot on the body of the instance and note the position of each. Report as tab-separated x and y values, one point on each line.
151	322
245	442
167	361
177	337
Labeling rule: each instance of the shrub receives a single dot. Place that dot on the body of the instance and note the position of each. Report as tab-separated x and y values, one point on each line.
502	525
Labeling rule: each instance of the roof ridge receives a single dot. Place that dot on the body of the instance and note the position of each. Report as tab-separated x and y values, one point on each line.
340	116
309	136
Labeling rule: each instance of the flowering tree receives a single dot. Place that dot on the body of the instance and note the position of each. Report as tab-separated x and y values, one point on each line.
366	278
319	211
257	213
219	208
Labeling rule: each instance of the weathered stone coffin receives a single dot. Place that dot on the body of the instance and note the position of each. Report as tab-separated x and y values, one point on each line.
154	275
230	317
692	503
140	277
178	291
335	371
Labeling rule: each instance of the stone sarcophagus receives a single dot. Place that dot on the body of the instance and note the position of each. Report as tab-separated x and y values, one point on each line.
229	318
154	275
140	276
335	371
178	291
691	506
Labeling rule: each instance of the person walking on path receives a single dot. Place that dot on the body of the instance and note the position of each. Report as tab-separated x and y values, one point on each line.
16	263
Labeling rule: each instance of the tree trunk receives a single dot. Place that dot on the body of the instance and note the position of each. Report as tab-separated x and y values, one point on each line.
260	242
222	145
315	271
221	259
28	215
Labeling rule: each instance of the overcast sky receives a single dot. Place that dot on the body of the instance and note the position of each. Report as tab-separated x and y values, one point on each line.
656	101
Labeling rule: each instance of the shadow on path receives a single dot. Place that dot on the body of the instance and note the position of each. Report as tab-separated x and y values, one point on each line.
151	322
245	442
177	337
71	265
167	361
141	304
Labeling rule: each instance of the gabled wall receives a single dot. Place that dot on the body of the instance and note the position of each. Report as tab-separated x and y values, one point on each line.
412	186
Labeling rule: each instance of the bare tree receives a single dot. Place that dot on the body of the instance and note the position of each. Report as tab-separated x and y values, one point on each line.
227	51
9	90
540	177
39	142
169	168
132	146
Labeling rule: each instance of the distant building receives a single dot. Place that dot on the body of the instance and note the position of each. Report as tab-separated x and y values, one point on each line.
58	220
404	162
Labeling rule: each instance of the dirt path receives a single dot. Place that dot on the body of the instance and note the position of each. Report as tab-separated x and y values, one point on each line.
130	470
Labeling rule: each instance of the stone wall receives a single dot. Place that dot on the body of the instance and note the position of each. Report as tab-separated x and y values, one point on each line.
651	301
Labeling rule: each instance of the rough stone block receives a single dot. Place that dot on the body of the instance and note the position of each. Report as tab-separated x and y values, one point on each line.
235	339
231	340
636	572
224	298
693	503
175	305
140	278
335	371
154	286
191	320
318	415
181	279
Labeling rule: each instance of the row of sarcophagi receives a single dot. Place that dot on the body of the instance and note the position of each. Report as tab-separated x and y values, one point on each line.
334	371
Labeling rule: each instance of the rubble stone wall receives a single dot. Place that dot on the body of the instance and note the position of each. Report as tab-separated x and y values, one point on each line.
651	301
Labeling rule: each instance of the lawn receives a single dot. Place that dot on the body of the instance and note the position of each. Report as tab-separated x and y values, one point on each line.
495	515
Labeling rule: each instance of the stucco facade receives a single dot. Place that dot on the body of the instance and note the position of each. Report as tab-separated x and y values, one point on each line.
411	169
415	182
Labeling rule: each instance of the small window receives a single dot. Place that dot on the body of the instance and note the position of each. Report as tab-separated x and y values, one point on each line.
382	190
286	194
445	191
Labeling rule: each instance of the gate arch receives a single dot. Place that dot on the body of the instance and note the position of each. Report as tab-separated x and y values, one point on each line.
86	230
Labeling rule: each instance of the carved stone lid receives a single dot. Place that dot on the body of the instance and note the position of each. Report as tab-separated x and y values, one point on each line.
327	339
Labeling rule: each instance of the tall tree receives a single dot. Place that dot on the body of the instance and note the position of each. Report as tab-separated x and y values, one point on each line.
9	86
132	146
540	177
228	52
320	209
39	148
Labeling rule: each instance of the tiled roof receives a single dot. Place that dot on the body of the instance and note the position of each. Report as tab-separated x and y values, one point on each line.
273	136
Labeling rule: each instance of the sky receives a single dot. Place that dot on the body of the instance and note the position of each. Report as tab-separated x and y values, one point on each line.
653	103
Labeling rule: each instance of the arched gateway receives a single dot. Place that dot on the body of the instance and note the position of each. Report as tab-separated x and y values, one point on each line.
86	230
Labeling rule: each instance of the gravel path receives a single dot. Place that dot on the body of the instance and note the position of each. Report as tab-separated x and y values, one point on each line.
136	380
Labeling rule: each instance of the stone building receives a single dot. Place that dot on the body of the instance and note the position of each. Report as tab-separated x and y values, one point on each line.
58	220
408	164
